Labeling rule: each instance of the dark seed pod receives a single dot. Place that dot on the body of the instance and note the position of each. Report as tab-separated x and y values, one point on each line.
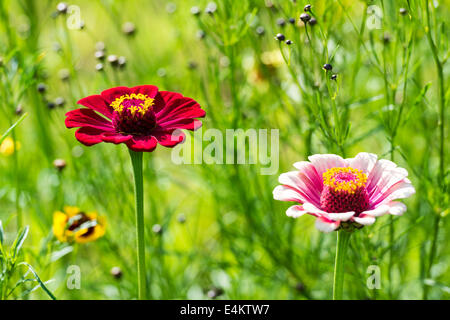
157	229
51	105
192	65
129	28
41	88
59	164
60	102
333	76
312	22
1	61
82	25
403	11
281	22
305	17
386	38
280	37
328	67
260	30
116	272
300	287
99	67
181	218
291	20
307	8
289	42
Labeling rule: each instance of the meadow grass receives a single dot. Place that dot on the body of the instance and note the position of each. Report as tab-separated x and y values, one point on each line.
220	230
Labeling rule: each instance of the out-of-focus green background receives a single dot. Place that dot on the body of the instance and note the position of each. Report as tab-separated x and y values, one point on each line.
223	235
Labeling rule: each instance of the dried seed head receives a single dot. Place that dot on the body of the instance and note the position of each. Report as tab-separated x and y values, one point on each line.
59	164
192	65
161	72
280	37
403	11
312	22
1	61
99	54
328	67
305	17
62	8
121	61
215	292
82	25
64	74
291	20
281	22
307	8
100	46
19	109
181	218
386	38
211	8
300	287
171	7
116	272
113	60
60	102
129	28
195	11
99	67
157	229
260	30
289	42
333	76
41	88
201	34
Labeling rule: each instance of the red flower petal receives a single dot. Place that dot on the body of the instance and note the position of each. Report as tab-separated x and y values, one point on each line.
189	124
149	90
116	138
142	143
169	138
87	118
89	136
97	103
177	106
111	94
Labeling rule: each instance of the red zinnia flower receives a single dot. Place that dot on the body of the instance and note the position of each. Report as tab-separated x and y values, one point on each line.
141	117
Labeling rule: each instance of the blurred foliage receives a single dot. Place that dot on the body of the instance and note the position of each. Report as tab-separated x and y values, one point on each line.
221	233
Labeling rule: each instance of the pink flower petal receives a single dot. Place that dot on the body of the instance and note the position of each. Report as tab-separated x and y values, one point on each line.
188	124
308	171
326	225
300	183
397	208
364	219
363	161
377	212
323	162
87	118
142	143
342	216
285	193
295	211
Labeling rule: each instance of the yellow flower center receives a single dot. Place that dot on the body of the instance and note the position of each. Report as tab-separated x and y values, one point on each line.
134	103
346	179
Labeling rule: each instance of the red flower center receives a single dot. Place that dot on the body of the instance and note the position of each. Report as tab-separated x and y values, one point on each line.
344	189
133	114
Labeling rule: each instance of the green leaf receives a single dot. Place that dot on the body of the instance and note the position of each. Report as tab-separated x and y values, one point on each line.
12	127
41	284
18	243
1	233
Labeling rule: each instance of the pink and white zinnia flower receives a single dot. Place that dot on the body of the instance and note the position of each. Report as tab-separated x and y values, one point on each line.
344	193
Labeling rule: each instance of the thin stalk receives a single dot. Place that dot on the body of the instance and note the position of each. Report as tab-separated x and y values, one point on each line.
343	238
136	160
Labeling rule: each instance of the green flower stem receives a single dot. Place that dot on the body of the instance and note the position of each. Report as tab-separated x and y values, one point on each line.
343	238
136	160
